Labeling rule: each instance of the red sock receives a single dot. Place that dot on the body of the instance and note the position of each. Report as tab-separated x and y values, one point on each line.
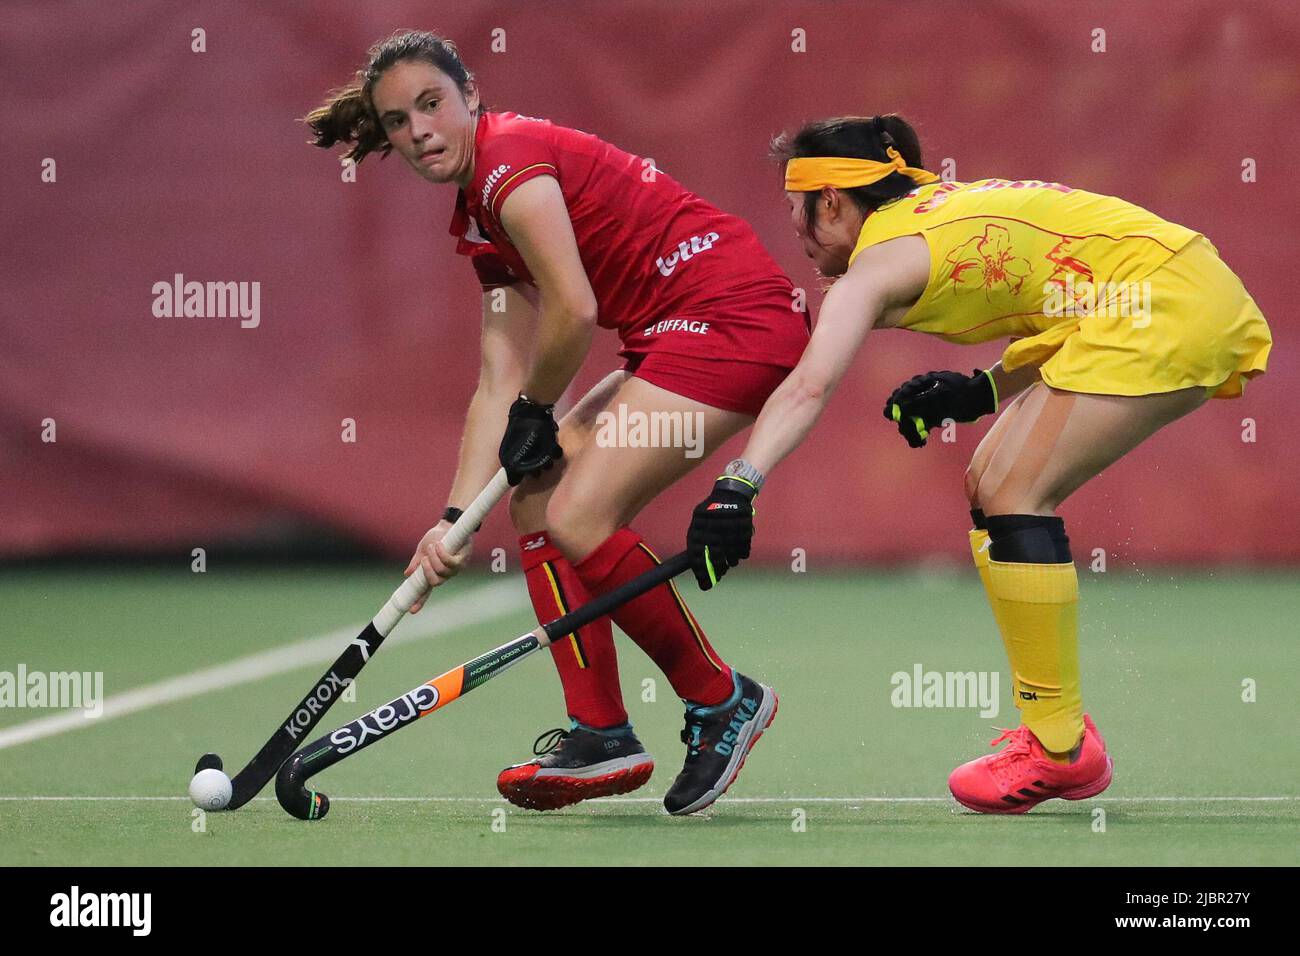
658	620
586	658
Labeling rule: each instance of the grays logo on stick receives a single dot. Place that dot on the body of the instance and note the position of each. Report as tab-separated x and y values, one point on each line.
381	720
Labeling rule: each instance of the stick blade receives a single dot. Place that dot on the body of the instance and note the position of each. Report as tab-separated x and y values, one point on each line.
208	762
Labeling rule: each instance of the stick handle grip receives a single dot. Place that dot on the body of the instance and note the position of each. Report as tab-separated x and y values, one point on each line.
415	586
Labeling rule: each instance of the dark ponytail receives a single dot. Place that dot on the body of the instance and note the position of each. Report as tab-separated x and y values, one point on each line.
348	115
856	137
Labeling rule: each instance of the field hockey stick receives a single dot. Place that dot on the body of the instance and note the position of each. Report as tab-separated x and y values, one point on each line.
343	671
291	783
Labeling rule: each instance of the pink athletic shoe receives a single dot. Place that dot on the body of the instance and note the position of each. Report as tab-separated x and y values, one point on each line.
1020	776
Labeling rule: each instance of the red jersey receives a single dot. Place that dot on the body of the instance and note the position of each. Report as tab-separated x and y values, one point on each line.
670	272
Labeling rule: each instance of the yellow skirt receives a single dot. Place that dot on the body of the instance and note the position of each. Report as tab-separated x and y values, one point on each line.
1189	323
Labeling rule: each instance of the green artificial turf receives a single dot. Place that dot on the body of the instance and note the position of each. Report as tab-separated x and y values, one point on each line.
842	777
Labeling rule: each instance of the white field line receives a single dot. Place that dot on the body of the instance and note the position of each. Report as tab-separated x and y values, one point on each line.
605	800
464	609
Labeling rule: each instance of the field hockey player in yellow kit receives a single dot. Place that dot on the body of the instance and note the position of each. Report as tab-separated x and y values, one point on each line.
1120	322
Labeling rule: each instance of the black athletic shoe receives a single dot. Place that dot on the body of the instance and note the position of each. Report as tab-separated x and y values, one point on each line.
574	765
717	741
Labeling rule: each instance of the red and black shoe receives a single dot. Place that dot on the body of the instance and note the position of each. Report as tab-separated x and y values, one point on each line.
575	765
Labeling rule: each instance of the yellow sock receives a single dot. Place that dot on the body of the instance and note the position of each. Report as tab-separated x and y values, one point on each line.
1039	606
979	549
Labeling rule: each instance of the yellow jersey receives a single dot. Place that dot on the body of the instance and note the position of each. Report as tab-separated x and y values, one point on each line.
1037	260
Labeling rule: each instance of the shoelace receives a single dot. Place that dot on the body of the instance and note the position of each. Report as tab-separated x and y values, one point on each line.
692	750
1018	748
553	738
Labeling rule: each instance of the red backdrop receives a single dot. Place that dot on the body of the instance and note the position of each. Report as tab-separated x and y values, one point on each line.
173	433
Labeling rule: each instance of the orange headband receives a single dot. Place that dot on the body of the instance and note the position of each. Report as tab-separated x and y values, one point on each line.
811	173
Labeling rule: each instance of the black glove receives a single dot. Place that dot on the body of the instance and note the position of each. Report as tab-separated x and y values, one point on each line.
722	527
529	446
924	401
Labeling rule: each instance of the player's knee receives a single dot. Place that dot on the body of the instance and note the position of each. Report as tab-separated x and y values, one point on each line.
991	498
972	484
574	526
564	522
1001	501
1002	496
1028	539
527	510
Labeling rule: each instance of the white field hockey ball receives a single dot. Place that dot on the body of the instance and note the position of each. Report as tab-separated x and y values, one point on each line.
210	790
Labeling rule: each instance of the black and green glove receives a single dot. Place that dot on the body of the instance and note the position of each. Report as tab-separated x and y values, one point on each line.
722	527
924	401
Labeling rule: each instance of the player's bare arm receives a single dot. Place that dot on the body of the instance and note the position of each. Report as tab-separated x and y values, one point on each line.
505	343
537	221
881	283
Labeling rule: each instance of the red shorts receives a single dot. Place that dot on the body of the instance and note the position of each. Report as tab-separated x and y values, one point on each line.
730	352
721	383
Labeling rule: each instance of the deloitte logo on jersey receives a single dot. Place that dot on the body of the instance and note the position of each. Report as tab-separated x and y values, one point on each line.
685	249
493	178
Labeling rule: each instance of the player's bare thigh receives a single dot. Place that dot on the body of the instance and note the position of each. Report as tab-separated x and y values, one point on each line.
989	443
528	500
608	483
1059	440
